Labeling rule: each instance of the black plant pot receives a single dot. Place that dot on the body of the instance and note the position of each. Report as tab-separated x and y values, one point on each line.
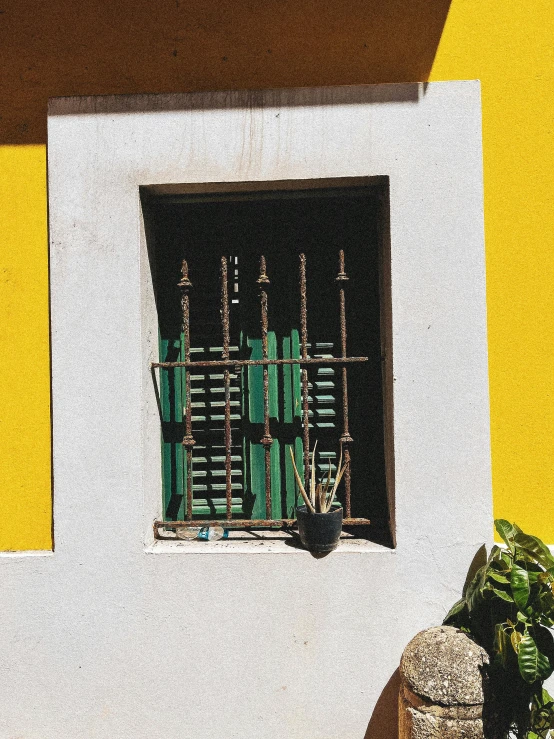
319	532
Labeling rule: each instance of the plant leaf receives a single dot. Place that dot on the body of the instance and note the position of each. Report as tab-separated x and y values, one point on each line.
338	478
547	602
501	642
312	480
327	482
527	658
545	645
457	608
544	667
474	594
494	553
498	577
533	665
503	594
300	485
507	531
534	547
334	491
339	467
533	576
546	699
515	638
519	584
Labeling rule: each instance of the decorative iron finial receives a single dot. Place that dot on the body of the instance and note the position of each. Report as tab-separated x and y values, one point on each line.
184	282
342	276
266	440
188	441
263	279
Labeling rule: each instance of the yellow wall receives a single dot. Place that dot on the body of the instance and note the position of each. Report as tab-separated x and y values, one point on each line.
25	498
70	47
509	46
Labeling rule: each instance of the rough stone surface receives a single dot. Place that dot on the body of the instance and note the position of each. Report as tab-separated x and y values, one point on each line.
444	666
417	725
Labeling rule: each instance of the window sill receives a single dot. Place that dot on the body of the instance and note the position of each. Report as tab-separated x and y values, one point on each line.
259	542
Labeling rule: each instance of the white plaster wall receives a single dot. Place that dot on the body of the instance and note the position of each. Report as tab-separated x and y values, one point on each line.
110	637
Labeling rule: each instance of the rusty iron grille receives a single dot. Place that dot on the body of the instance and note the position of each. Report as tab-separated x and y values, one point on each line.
228	365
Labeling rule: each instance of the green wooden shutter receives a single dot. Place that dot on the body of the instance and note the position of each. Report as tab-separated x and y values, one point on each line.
292	415
248	468
208	402
248	459
285	412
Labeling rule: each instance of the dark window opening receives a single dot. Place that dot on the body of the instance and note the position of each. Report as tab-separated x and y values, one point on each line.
279	225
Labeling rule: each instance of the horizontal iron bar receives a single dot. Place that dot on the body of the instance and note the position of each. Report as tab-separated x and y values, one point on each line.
258	362
247	523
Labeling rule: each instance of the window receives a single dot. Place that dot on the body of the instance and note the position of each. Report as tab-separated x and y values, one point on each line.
233	231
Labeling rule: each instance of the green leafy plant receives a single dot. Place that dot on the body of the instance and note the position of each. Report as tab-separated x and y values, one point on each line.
321	494
508	608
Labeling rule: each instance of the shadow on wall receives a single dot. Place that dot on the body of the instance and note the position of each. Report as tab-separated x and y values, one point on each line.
384	719
95	47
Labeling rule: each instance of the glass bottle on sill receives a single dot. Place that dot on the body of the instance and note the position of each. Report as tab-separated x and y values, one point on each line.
212	533
204	533
188	533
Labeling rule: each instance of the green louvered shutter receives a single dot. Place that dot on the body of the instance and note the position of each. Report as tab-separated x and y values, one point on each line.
284	412
248	470
207	402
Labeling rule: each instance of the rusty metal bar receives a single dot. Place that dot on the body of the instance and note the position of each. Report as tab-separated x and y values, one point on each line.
260	362
188	441
246	523
227	364
227	385
345	439
266	439
304	352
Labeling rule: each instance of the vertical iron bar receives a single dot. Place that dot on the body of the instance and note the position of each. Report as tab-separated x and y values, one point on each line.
227	383
188	441
304	351
266	439
345	439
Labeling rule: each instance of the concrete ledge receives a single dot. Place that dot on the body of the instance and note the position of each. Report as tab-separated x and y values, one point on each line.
261	546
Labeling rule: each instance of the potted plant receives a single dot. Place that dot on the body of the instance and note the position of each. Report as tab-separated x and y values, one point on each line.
320	520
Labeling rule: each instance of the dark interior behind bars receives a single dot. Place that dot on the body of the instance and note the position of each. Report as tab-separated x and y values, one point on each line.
281	226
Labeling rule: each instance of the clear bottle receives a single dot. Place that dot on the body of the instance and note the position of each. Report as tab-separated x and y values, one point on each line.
187	532
212	533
